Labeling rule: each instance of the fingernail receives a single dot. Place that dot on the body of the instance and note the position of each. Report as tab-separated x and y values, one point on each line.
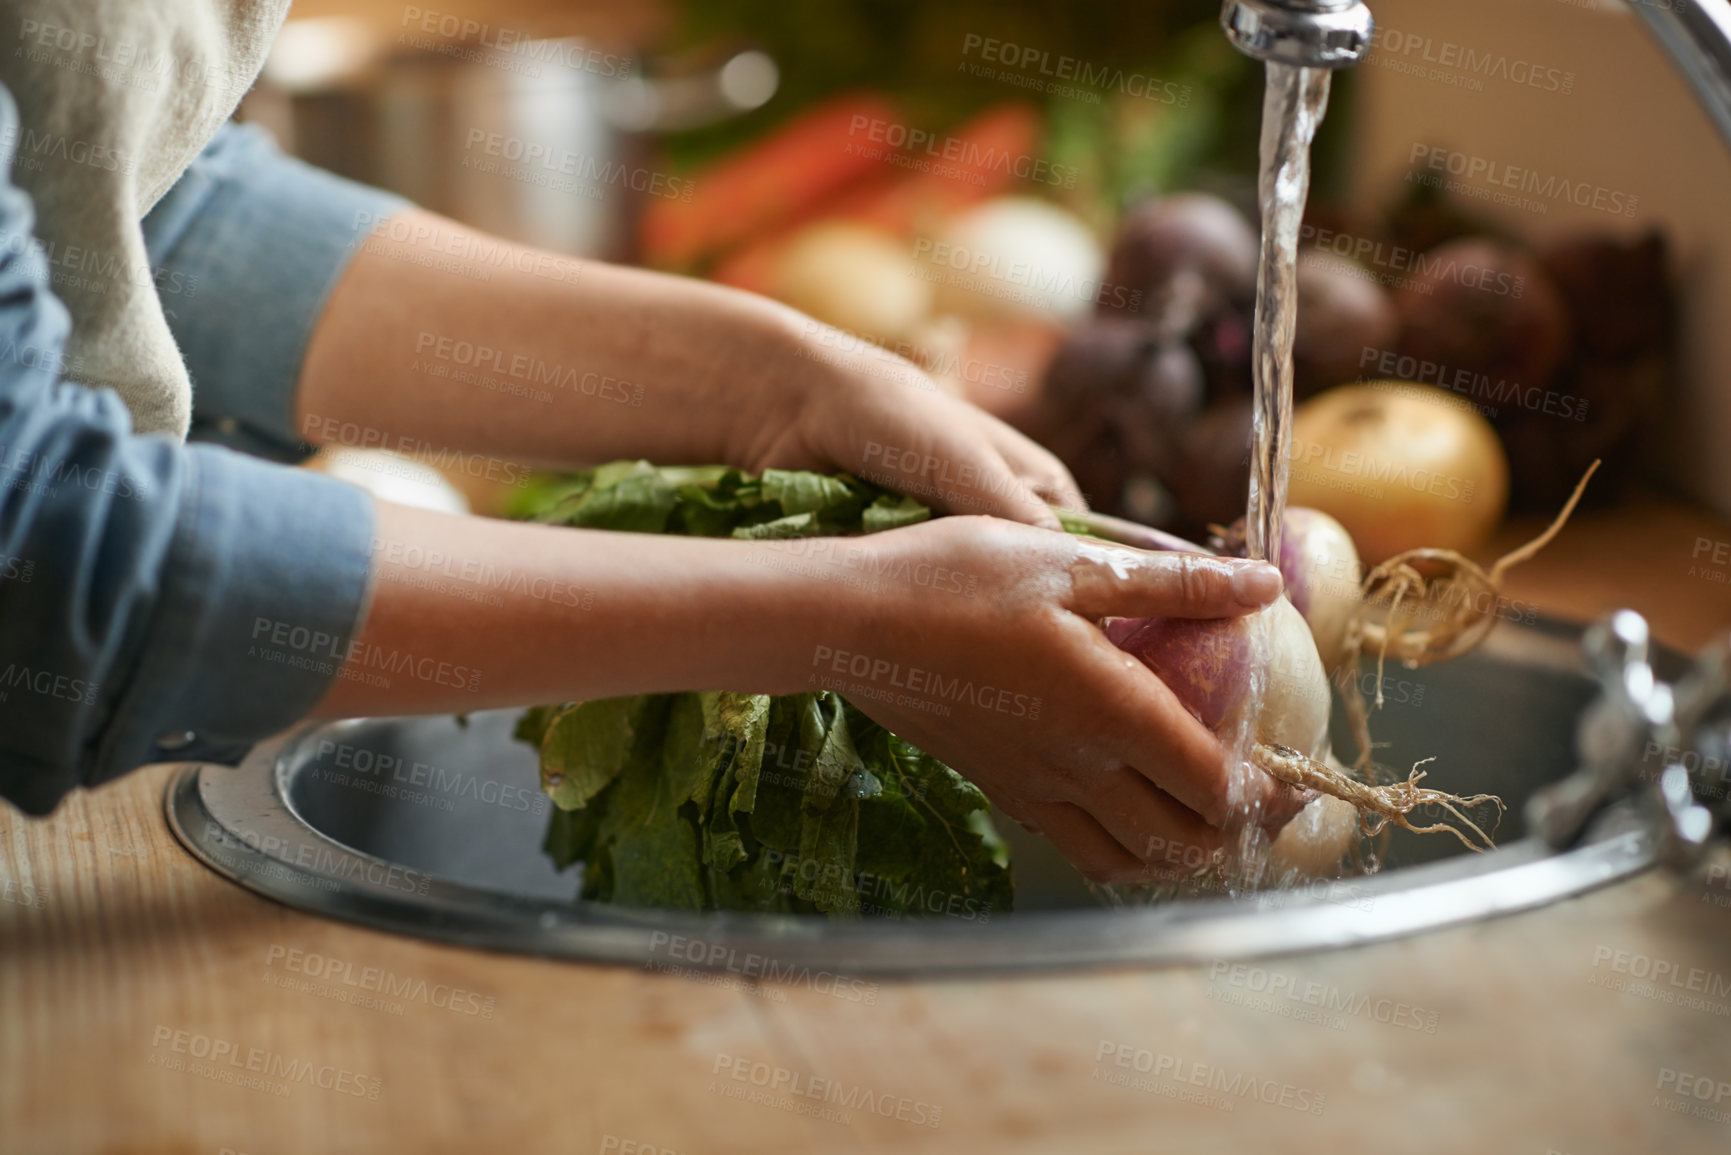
1255	583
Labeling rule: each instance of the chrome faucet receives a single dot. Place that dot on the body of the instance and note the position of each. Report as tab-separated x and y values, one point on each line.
1311	33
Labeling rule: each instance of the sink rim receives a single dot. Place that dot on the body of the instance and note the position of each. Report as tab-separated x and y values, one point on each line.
241	823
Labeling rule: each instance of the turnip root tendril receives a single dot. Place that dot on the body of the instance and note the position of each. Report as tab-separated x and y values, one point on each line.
1429	605
1377	805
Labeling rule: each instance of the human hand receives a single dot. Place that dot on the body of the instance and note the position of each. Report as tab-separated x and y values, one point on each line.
1018	689
841	403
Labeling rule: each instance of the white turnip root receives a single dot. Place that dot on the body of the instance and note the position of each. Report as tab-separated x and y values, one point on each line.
1214	666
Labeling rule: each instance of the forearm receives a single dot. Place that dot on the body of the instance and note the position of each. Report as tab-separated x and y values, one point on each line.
469	614
504	350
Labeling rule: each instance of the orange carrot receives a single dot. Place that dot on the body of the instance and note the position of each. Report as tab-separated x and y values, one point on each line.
979	160
776	179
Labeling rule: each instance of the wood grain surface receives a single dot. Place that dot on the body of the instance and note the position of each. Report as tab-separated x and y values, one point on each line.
137	988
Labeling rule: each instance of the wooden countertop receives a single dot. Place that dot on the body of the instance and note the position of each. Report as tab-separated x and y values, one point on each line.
136	987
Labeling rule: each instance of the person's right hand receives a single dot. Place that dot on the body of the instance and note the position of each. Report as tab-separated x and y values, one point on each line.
1009	679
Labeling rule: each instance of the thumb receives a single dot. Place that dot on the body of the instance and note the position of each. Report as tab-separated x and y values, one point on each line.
1117	581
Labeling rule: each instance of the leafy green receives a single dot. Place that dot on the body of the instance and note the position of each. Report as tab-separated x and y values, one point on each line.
721	801
586	745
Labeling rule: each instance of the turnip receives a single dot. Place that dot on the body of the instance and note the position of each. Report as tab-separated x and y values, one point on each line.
1212	667
1257	682
1261	682
1216	669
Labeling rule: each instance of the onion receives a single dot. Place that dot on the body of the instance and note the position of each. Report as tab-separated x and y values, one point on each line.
1401	466
1016	257
856	278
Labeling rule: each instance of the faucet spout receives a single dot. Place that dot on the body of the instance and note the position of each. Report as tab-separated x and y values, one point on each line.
1307	33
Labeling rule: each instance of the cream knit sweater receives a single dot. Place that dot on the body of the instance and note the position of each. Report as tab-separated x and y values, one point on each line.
116	98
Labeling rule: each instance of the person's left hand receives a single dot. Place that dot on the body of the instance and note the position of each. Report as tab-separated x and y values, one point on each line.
848	405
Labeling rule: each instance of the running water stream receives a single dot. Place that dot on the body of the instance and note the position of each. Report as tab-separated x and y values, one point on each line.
1292	108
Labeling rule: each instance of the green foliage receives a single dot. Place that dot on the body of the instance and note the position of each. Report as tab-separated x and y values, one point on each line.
719	801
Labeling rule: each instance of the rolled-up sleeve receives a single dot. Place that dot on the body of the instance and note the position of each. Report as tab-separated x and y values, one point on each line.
246	248
157	600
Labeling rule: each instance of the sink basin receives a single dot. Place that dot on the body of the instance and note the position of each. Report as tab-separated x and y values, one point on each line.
425	826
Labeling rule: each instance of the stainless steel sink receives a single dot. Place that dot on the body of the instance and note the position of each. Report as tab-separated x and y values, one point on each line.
428	827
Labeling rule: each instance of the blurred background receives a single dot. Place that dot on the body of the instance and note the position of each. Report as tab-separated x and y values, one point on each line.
1517	249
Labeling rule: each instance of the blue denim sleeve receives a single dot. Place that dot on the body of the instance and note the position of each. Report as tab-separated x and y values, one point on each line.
157	600
246	234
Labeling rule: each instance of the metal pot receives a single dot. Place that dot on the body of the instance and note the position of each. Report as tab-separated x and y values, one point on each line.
547	142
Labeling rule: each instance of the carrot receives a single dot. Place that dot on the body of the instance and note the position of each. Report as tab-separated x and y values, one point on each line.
978	161
776	179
